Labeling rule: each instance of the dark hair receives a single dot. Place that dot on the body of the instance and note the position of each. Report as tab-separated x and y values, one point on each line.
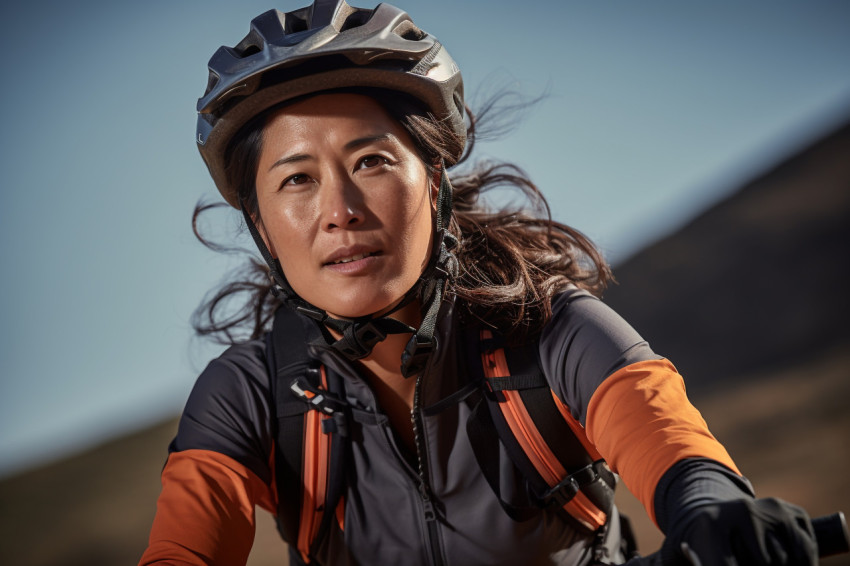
513	259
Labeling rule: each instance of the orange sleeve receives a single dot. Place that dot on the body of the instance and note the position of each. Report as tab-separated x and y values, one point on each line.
205	512
641	421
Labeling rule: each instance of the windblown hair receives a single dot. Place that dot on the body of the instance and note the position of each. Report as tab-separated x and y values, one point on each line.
513	259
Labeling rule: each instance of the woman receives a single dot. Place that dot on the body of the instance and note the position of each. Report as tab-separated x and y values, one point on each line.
332	129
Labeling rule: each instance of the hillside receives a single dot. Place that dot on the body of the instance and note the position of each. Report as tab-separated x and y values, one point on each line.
757	282
91	509
749	300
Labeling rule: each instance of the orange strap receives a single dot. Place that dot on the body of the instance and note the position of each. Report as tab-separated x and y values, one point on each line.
317	449
529	437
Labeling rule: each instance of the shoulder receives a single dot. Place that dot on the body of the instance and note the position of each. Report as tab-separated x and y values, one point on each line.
240	375
229	410
583	343
583	324
241	365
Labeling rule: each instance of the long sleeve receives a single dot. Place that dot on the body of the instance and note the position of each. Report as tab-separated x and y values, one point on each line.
642	422
205	512
220	465
630	401
692	483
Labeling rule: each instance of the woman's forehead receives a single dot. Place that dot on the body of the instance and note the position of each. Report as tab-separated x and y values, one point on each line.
343	116
334	105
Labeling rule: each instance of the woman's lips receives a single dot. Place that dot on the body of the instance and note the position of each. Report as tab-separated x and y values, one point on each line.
352	258
354	264
347	253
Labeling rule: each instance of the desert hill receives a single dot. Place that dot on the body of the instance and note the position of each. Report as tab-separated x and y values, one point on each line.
758	281
749	300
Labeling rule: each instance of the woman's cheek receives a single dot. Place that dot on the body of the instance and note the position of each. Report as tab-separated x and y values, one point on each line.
292	215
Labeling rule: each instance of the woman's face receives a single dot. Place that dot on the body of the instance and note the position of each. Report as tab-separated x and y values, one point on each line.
346	204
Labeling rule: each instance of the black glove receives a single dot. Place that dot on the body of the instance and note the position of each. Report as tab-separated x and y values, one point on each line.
744	532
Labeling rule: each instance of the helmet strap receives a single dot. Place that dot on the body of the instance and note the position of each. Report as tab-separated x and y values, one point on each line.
280	286
441	268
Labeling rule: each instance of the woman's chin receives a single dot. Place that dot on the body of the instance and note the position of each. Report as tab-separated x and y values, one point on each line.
361	309
348	311
347	315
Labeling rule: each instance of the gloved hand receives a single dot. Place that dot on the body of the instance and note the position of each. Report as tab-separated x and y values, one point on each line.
744	532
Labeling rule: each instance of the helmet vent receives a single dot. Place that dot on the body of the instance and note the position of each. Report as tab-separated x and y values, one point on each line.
458	100
295	24
356	19
407	30
251	43
211	82
250	50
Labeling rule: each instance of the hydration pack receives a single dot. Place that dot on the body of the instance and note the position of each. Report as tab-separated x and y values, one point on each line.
513	409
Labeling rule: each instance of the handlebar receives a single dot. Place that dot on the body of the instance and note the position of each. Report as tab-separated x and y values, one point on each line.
831	534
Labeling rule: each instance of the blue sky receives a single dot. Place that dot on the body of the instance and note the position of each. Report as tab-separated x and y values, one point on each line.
654	110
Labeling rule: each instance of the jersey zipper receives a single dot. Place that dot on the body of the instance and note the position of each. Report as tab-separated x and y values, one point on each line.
435	546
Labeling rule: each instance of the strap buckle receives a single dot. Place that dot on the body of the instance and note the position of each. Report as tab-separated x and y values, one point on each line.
416	355
318	399
335	419
568	488
359	338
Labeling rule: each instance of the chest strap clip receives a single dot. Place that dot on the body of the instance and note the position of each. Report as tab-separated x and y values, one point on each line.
569	487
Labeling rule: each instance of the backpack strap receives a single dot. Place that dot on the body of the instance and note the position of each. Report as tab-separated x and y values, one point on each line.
309	436
542	438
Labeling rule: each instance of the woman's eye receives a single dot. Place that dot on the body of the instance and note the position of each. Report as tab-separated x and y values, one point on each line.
297	179
372	161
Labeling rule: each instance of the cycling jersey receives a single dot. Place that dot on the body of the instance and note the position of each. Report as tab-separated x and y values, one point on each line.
629	402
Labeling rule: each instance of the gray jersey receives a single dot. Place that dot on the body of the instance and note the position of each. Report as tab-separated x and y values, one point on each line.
385	518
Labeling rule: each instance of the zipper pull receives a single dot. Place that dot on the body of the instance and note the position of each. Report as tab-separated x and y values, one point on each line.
428	508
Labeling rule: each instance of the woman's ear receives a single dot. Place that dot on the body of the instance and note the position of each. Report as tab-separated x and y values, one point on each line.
261	230
436	174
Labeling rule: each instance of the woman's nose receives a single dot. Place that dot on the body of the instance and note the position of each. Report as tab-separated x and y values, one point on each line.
342	204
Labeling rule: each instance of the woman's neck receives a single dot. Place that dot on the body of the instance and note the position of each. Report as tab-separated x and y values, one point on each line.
384	362
382	370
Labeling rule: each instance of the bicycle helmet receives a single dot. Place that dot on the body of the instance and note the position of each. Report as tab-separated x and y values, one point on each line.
331	45
322	47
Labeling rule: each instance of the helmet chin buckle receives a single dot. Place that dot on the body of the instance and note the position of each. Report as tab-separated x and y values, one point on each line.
359	339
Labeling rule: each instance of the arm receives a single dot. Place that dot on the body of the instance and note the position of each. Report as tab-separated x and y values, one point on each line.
707	513
641	421
637	414
630	401
205	512
219	467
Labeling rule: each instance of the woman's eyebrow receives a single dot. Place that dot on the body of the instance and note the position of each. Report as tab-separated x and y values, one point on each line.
352	145
366	140
290	159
